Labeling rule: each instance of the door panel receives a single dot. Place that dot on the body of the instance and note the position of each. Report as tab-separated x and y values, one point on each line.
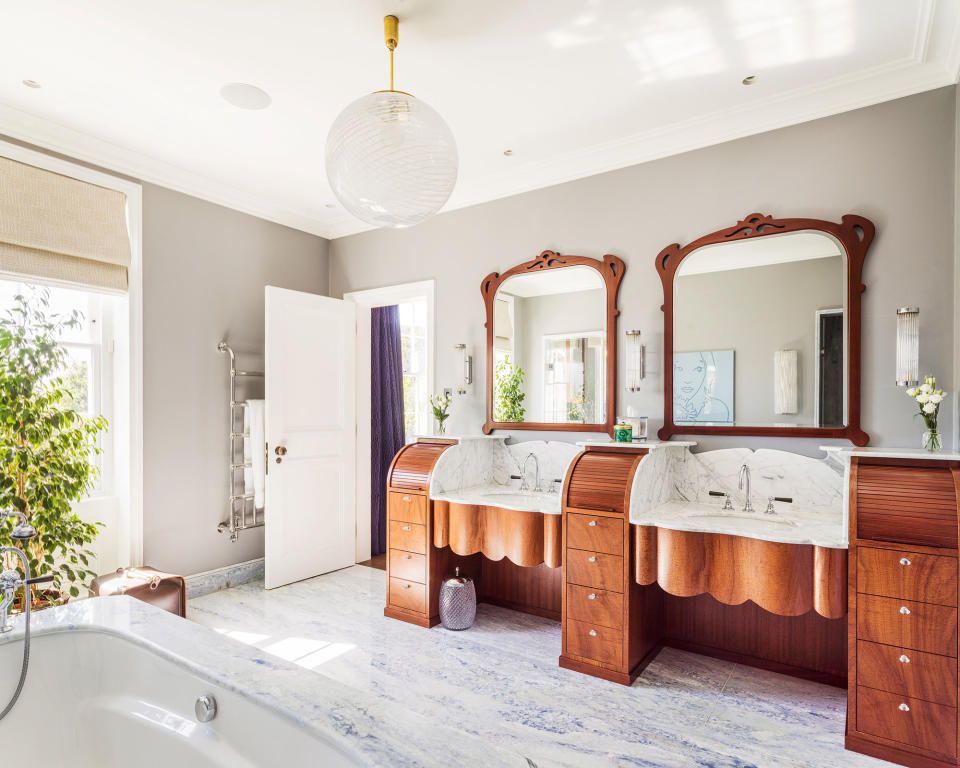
311	432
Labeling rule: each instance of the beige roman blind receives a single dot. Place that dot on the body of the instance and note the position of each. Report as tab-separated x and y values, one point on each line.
62	229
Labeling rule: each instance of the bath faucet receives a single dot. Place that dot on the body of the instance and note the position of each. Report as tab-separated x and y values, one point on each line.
523	473
10	580
745	472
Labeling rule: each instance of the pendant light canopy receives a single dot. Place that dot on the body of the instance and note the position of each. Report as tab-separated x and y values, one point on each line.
391	159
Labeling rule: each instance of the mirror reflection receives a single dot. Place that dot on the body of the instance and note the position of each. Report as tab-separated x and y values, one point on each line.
549	347
760	333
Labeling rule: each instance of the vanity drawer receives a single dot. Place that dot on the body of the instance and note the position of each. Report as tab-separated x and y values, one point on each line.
408	595
408	565
595	606
408	536
910	575
910	721
907	673
592	641
595	569
596	533
907	624
407	507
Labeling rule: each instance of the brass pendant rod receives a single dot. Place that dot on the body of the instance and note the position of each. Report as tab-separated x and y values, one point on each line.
391	36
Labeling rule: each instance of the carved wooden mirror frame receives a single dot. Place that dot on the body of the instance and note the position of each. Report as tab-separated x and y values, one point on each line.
854	233
611	271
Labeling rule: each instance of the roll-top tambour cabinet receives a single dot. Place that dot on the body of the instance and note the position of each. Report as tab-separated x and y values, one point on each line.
602	603
902	622
412	564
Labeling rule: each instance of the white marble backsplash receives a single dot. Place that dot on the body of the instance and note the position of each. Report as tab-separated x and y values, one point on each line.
476	463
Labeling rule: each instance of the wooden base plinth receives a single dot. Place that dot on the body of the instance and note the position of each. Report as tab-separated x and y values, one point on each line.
893	754
411	618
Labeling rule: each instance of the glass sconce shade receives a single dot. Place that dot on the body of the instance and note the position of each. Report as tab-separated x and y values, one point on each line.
908	346
785	384
635	361
391	160
464	373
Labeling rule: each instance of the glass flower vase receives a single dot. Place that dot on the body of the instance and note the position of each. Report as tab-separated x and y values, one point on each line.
931	440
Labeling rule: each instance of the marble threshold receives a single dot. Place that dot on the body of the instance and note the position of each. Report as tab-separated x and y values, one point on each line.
498	684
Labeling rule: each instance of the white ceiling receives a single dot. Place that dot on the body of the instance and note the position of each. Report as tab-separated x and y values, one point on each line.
759	252
572	87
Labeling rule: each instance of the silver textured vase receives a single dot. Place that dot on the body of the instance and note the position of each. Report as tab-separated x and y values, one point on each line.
458	602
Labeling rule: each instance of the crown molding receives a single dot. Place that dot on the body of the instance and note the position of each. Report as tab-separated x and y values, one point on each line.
934	62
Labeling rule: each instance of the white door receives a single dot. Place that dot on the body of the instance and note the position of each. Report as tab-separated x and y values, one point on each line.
311	433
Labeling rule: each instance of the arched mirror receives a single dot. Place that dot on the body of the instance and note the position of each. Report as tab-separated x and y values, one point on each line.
551	344
762	329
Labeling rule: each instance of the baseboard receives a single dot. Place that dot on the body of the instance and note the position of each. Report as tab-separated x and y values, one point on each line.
223	578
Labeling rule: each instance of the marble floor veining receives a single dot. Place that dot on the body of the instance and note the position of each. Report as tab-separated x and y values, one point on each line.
500	681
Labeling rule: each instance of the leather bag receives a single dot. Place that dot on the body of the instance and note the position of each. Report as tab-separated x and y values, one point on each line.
164	590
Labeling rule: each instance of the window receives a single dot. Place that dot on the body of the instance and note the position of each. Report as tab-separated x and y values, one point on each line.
88	373
413	345
573	378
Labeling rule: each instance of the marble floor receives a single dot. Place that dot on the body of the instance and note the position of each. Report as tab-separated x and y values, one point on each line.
500	681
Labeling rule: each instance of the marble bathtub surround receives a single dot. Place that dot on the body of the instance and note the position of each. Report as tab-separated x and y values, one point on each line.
479	472
375	728
672	488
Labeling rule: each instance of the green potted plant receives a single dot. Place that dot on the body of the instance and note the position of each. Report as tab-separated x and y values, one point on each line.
508	384
47	448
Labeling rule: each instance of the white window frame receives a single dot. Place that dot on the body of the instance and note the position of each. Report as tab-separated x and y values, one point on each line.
366	300
127	432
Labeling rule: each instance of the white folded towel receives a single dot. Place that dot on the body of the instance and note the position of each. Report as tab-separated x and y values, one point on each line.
254	477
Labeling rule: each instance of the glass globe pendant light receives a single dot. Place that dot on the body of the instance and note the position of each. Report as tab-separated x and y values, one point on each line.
391	160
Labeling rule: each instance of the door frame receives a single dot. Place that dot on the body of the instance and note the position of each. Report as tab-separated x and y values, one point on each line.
129	480
816	360
366	300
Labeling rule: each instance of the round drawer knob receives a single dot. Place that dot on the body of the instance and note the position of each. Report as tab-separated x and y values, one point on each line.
904	561
592	559
404	527
592	596
904	659
592	523
904	708
408	557
904	610
593	633
406	498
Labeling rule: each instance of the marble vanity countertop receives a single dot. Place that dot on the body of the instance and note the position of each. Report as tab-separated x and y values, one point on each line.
893	453
822	527
636	445
460	438
505	497
379	732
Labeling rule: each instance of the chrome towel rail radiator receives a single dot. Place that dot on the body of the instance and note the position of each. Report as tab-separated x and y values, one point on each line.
238	518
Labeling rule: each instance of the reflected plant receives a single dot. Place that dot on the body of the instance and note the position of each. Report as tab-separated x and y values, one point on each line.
47	448
509	394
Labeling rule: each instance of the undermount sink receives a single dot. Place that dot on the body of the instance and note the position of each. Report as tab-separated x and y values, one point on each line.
757	517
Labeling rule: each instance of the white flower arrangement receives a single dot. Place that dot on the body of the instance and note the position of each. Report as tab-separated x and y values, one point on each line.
928	399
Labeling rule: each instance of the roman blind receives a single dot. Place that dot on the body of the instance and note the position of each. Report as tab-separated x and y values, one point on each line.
502	326
57	228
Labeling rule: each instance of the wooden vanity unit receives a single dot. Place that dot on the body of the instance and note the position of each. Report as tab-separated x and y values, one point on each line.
512	556
902	697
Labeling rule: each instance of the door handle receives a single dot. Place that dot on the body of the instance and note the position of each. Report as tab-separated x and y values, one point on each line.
280	450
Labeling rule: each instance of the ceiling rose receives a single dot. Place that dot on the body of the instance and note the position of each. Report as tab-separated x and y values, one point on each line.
391	160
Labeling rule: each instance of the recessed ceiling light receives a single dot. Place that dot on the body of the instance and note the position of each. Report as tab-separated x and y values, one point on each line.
749	80
508	153
245	96
31	84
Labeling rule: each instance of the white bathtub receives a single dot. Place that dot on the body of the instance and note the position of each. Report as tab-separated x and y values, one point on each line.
99	700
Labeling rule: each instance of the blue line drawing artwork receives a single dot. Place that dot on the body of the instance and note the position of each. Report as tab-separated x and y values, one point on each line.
703	386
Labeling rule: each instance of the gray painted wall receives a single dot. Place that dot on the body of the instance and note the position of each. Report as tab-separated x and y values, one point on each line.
204	271
755	312
893	163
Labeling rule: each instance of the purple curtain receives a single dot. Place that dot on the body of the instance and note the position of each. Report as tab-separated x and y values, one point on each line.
386	428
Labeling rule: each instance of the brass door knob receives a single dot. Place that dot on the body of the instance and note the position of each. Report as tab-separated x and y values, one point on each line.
280	450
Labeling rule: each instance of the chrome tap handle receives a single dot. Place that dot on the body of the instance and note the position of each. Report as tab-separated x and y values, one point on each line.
727	504
770	510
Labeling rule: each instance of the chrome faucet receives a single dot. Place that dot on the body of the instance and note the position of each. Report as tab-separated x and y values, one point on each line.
523	473
10	580
745	472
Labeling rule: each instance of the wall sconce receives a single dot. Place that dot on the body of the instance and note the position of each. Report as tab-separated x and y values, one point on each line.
908	346
464	376
636	354
785	369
